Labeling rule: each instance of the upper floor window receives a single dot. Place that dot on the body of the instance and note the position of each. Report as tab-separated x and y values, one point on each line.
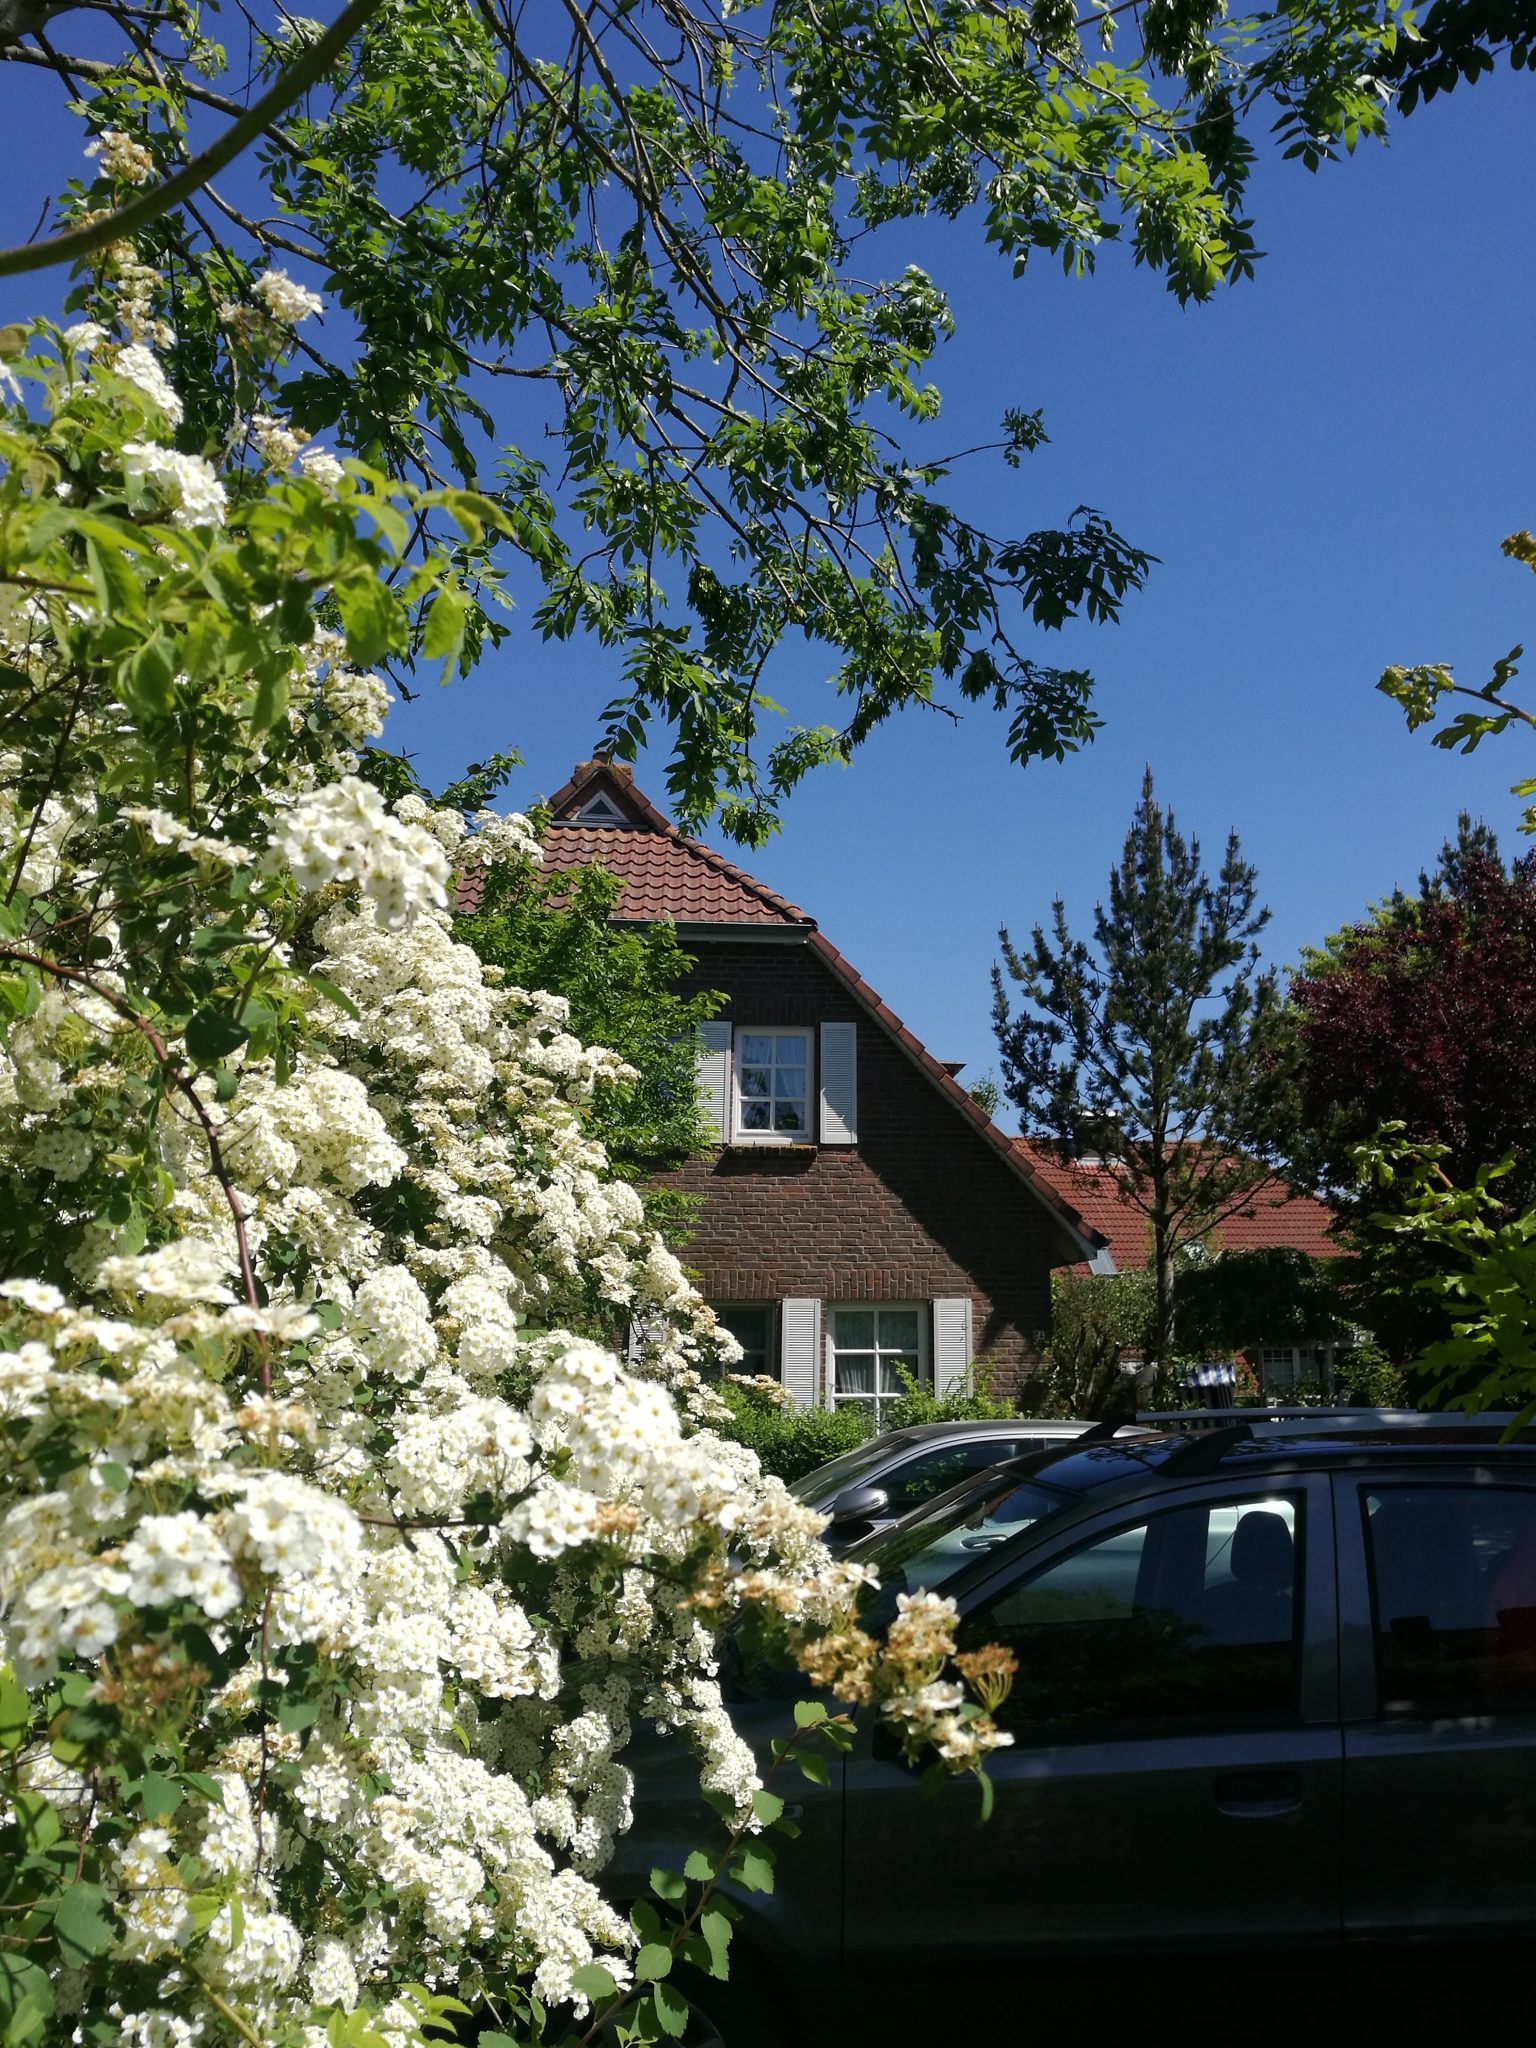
773	1070
763	1084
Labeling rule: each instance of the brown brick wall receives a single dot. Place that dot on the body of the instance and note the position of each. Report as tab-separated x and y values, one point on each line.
921	1207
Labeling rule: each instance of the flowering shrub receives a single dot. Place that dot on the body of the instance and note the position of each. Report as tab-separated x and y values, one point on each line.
337	1549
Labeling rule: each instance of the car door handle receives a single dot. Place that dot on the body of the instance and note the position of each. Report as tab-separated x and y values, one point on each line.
1259	1795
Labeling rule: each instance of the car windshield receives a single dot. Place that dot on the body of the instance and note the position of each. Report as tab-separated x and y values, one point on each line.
839	1473
927	1549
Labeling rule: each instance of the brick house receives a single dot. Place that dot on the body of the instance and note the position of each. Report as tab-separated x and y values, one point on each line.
860	1213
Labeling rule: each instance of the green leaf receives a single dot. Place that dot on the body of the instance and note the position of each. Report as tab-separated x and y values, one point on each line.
715	1927
36	1820
700	1867
444	632
371	619
671	2009
113	1476
594	1982
669	1884
808	1713
26	2000
653	1962
116	586
329	988
813	1765
754	1869
212	1034
271	699
81	1923
159	1795
148	681
986	1794
767	1806
297	1712
236	1920
15	1711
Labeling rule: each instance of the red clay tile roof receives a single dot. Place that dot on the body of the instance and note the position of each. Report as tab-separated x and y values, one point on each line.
1276	1215
665	873
669	876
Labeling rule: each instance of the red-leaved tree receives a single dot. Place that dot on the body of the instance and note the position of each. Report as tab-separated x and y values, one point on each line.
1424	1015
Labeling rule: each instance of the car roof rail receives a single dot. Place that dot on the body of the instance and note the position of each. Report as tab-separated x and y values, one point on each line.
1100	1433
1205	1451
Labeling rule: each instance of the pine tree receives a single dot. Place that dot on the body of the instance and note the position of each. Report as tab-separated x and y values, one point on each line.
1163	1045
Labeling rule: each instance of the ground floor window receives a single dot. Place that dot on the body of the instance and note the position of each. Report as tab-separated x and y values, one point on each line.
873	1350
751	1324
1288	1369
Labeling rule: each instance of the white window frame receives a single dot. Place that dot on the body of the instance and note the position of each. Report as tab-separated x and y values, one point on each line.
1297	1362
878	1401
740	1135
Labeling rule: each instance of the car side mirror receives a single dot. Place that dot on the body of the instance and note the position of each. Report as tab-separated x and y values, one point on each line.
860	1504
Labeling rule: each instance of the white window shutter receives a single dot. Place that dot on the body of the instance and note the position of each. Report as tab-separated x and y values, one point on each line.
800	1349
715	1076
951	1343
839	1084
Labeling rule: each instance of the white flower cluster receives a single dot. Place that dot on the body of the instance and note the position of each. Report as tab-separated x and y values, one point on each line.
142	369
502	839
343	833
165	829
284	299
121	158
187	480
318	1469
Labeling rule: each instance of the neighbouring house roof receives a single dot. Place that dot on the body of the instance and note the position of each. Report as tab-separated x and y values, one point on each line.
669	876
1275	1216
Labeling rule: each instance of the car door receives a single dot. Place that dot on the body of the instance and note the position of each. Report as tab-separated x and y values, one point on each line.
1437	1585
1175	1773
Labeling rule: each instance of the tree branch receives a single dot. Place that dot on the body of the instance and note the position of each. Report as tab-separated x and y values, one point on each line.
138	212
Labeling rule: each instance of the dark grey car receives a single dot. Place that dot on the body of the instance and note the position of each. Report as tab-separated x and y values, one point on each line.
875	1484
1277	1695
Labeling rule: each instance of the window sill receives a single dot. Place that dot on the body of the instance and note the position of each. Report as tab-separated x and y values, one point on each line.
775	1145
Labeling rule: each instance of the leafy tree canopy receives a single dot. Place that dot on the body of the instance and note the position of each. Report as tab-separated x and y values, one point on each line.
616	266
1422	1015
1274	1294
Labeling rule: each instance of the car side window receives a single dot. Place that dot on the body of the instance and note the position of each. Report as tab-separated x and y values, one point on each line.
925	1477
1190	1615
1453	1595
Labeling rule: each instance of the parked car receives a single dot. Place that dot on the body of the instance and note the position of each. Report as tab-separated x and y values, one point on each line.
870	1487
1276	1698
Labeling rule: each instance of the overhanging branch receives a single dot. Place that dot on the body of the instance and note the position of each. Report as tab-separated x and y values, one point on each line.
144	207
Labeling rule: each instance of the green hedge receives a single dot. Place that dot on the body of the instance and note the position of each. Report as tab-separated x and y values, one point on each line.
790	1441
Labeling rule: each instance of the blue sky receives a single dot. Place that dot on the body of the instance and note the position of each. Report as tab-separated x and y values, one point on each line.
1325	460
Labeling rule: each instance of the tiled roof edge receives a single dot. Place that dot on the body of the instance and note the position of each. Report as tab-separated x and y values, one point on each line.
950	1088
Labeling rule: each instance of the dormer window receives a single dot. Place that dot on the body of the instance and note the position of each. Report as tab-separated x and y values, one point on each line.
600	810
